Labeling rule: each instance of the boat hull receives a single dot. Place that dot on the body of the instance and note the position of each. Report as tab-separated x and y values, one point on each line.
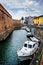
23	58
29	35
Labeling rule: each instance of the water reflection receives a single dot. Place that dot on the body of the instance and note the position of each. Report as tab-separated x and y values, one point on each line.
26	62
9	47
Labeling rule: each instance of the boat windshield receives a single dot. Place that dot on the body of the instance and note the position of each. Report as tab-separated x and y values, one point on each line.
25	45
29	46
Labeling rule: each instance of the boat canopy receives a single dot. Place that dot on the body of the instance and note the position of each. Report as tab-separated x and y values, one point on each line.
29	45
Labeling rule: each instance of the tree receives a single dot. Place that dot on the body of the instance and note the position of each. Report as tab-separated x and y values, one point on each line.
22	18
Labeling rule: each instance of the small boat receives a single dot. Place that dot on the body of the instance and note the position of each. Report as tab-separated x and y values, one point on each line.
28	50
27	29
23	28
35	39
29	34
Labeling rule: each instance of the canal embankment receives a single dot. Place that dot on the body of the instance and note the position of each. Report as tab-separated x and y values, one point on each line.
41	61
38	33
37	58
5	34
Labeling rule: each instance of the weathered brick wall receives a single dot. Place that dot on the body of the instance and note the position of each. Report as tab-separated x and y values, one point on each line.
6	23
4	10
1	22
17	22
10	21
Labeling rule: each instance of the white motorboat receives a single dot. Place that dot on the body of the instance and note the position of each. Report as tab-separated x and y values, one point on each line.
27	51
35	39
29	34
27	29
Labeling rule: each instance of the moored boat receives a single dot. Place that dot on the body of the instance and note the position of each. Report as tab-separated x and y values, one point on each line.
29	34
27	29
27	51
35	39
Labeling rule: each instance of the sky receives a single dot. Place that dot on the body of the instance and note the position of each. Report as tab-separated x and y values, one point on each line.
25	8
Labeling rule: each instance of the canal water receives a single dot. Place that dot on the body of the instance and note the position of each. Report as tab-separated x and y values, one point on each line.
9	47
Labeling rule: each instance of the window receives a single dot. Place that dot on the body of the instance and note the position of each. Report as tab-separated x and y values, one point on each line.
36	43
29	46
25	45
33	45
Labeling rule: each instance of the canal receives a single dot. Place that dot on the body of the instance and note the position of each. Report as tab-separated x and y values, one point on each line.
9	47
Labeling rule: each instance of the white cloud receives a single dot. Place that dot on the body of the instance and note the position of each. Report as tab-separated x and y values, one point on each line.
36	4
16	3
31	7
19	14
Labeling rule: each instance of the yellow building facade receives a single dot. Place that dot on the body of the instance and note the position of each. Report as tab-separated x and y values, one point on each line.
38	20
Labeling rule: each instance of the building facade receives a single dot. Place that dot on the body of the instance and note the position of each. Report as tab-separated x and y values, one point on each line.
5	19
17	22
41	20
29	20
38	20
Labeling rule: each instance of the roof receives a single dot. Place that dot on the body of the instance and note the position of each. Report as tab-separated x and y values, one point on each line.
16	20
30	42
41	16
38	16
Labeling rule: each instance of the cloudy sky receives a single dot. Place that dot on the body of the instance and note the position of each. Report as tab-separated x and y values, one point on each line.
19	8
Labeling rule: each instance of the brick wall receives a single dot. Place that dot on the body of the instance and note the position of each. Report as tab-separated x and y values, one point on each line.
17	22
6	21
1	22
